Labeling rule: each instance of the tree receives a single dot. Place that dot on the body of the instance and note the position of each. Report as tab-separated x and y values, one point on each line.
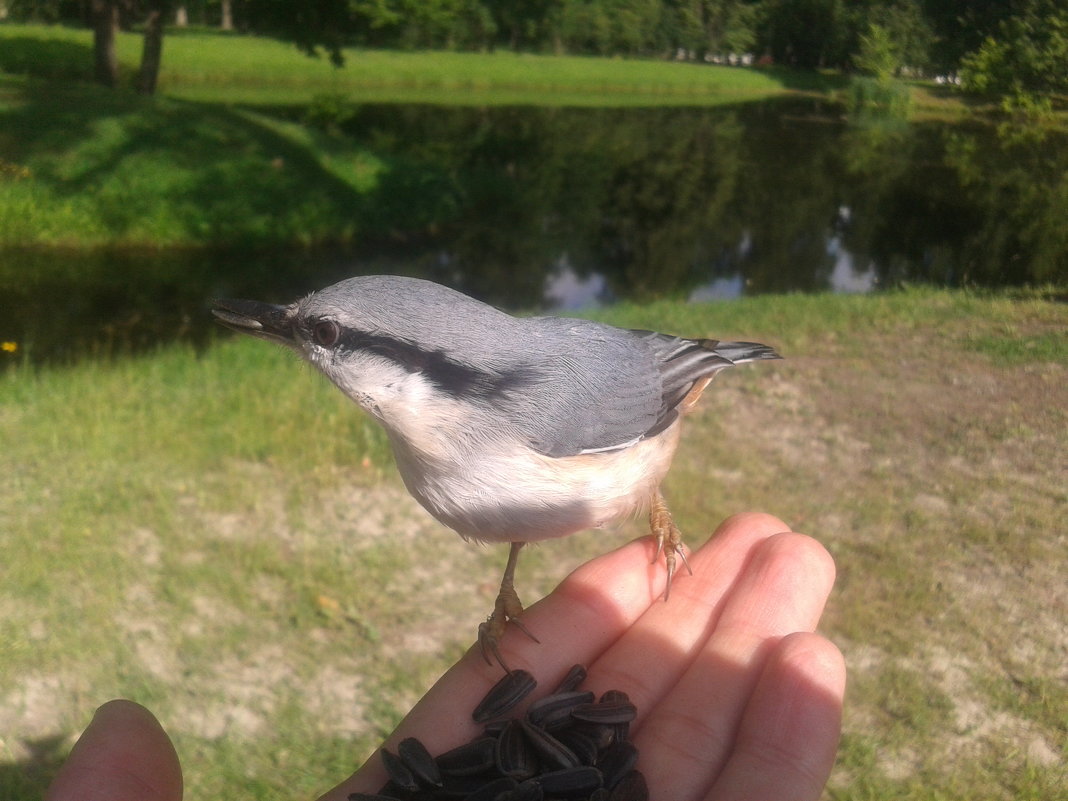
1026	56
313	25
878	55
709	26
524	24
908	32
806	33
610	27
105	28
152	53
961	27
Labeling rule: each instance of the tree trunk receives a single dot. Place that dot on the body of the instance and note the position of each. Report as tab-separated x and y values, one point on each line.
181	17
153	48
105	27
227	16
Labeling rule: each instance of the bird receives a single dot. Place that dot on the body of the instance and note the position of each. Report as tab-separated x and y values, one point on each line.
506	429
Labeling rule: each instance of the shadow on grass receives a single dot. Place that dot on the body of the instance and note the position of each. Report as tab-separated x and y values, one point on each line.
46	58
27	779
187	168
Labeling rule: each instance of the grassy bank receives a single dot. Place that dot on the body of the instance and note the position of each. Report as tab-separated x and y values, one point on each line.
214	160
222	68
242	558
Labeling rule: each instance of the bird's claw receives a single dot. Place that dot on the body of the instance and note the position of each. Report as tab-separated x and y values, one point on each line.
668	540
506	609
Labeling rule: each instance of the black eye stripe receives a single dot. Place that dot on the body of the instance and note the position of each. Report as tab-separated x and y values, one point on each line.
401	352
449	375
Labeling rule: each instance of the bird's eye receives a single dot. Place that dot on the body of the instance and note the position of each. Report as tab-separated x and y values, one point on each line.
327	333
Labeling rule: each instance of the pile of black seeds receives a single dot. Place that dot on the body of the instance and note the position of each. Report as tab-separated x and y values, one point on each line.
568	746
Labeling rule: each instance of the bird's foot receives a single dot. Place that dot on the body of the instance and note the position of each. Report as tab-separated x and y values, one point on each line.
668	539
507	608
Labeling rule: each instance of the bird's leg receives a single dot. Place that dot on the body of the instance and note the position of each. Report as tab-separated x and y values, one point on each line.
668	538
506	608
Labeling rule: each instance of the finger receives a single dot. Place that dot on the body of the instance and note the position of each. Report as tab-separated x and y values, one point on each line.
123	755
581	618
656	651
789	733
687	739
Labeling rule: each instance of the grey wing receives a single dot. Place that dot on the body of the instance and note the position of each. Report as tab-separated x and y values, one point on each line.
600	388
588	387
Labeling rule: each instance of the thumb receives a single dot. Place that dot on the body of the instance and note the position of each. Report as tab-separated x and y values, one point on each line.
123	755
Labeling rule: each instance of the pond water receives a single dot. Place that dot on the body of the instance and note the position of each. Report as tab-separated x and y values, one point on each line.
566	208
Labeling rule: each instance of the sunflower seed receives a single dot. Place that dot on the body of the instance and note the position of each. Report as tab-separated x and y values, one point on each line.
474	757
608	712
567	747
613	696
418	760
554	711
462	786
490	791
571	782
622	733
602	736
505	694
391	790
398	771
551	752
622	729
582	744
530	790
632	787
515	756
616	762
571	680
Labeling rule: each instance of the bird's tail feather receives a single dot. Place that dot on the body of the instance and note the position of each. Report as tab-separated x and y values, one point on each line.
740	352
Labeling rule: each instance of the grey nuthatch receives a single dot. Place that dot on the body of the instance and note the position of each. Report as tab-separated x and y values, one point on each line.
505	429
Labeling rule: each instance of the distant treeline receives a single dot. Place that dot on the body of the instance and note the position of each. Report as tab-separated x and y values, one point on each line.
1020	45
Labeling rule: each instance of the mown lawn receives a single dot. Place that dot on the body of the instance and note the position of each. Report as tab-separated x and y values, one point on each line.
221	537
224	68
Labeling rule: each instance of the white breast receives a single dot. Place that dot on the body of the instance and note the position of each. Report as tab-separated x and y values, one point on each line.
503	492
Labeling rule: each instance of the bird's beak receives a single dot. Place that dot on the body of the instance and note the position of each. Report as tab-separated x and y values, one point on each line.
263	320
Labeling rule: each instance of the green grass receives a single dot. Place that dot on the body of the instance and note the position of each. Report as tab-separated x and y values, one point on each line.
242	558
1013	348
216	67
92	167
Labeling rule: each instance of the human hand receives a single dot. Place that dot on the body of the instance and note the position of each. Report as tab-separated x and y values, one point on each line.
736	698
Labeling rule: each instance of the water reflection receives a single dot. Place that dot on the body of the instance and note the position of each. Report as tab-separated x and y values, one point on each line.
726	288
567	208
566	291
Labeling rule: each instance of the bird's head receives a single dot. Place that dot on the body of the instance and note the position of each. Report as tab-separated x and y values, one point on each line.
397	346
